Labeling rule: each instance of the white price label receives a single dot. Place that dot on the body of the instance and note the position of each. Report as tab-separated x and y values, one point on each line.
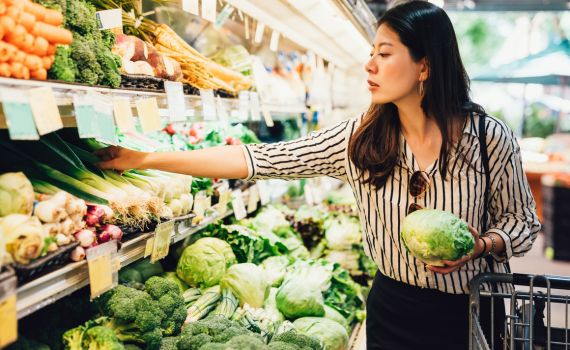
259	32
209	10
264	192
147	110
255	107
243	97
223	16
208	104
191	6
309	195
124	114
253	199
238	205
45	111
223	114
175	97
110	18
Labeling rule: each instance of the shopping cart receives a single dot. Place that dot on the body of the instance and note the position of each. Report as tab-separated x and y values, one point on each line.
524	330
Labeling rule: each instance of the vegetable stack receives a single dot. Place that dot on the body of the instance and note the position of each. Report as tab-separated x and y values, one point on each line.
29	36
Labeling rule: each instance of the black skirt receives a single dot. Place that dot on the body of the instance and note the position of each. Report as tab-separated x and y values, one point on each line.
401	317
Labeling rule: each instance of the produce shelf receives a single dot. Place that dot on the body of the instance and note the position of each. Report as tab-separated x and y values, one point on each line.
47	289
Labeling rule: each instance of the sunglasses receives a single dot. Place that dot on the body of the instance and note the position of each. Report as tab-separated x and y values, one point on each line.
418	186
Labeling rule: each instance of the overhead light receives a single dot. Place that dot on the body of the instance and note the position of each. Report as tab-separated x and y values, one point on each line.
439	3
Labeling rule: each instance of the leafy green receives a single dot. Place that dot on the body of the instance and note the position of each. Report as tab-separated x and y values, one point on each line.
332	334
276	268
249	283
299	297
333	314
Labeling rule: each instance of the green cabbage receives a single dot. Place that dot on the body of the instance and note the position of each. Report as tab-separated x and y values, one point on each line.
342	232
433	236
205	262
248	282
333	314
319	272
270	306
299	297
328	331
275	267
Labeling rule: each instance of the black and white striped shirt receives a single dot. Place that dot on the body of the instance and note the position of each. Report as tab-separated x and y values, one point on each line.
512	211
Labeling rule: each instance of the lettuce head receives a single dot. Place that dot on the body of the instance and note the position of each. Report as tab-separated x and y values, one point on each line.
432	236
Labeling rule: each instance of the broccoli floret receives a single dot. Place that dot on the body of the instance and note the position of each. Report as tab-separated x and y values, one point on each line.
171	303
63	67
80	17
101	338
212	325
230	333
212	346
169	343
194	342
245	342
87	67
279	345
20	344
131	347
297	339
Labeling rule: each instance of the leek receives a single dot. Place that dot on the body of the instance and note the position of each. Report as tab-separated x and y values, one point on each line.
176	182
186	179
143	183
44	187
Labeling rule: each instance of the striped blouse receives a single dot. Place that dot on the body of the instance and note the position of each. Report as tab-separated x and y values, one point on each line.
512	210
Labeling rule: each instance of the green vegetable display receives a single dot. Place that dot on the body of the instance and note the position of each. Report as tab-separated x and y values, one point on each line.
172	276
332	334
432	236
336	316
249	283
299	297
205	262
297	340
276	268
146	269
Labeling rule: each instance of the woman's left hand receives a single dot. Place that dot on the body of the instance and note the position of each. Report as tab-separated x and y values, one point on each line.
451	266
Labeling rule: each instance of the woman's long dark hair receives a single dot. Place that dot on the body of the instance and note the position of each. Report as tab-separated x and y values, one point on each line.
427	32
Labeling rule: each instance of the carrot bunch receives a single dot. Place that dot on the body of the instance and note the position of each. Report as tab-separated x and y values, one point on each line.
29	35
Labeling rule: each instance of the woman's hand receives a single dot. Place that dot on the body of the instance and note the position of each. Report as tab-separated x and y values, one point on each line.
120	159
457	264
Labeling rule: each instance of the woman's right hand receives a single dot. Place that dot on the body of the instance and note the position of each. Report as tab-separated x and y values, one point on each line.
120	159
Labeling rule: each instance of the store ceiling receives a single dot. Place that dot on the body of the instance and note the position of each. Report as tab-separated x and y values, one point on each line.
379	6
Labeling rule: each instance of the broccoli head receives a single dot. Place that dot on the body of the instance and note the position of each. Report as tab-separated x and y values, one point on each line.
169	343
245	342
101	338
212	346
211	325
167	296
279	345
131	347
193	342
298	339
230	333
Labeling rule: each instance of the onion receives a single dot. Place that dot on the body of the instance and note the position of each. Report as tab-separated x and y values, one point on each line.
68	227
62	199
85	237
49	212
113	231
109	214
51	229
104	236
52	247
78	254
96	211
62	239
91	220
93	245
76	207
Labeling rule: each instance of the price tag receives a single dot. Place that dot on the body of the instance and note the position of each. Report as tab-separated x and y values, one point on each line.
148	248
110	19
18	112
246	25
253	199
199	206
8	315
175	97
267	116
238	205
243	97
259	32
255	107
208	203
44	110
101	262
124	114
264	192
161	241
225	195
104	111
309	195
209	10
147	110
223	114
208	104
274	45
223	16
87	123
191	6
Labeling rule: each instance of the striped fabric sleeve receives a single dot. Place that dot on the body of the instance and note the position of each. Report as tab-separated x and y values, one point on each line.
512	207
321	153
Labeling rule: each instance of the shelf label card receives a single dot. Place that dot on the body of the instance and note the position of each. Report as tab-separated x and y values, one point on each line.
209	10
199	206
253	199
191	6
267	116
109	19
243	97
147	109
309	195
255	107
175	98
208	203
274	45
223	114
223	16
148	248
8	314
238	205
161	241
259	32
264	192
19	117
225	195
124	114
45	110
101	263
87	123
104	111
208	104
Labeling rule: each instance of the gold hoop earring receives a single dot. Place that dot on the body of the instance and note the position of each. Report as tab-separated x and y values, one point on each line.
422	89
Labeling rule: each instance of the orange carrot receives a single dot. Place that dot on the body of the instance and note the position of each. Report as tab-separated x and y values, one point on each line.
46	62
40	46
51	49
53	17
28	20
1	32
26	72
19	56
7	51
5	70
54	35
28	46
17	36
40	74
14	12
17	70
2	8
33	62
7	23
18	3
37	10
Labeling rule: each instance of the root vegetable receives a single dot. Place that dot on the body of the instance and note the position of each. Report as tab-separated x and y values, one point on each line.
177	71
62	239
46	62
144	68
19	56
40	74
51	229
5	70
28	45
52	48
2	9
1	32
140	49
129	67
76	206
104	236
114	232
124	47
62	199
53	17
48	212
37	10
7	23
7	51
27	20
91	220
109	214
17	36
52	247
85	237
33	62
78	254
54	35
40	46
67	227
14	13
156	61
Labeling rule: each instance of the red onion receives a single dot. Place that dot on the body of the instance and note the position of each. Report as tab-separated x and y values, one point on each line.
96	211
104	236
92	220
78	254
85	237
109	214
93	245
114	232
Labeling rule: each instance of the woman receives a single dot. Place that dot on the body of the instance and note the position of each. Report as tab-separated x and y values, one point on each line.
420	132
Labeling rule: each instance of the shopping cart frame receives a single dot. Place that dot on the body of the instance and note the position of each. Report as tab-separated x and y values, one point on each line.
513	323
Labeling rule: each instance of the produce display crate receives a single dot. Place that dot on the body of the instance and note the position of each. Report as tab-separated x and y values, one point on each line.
556	222
58	257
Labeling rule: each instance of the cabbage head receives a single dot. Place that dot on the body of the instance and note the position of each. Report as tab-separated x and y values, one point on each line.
299	297
433	235
333	314
248	282
342	233
328	331
205	262
276	268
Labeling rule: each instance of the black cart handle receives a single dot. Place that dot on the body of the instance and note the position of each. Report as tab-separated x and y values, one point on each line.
556	282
